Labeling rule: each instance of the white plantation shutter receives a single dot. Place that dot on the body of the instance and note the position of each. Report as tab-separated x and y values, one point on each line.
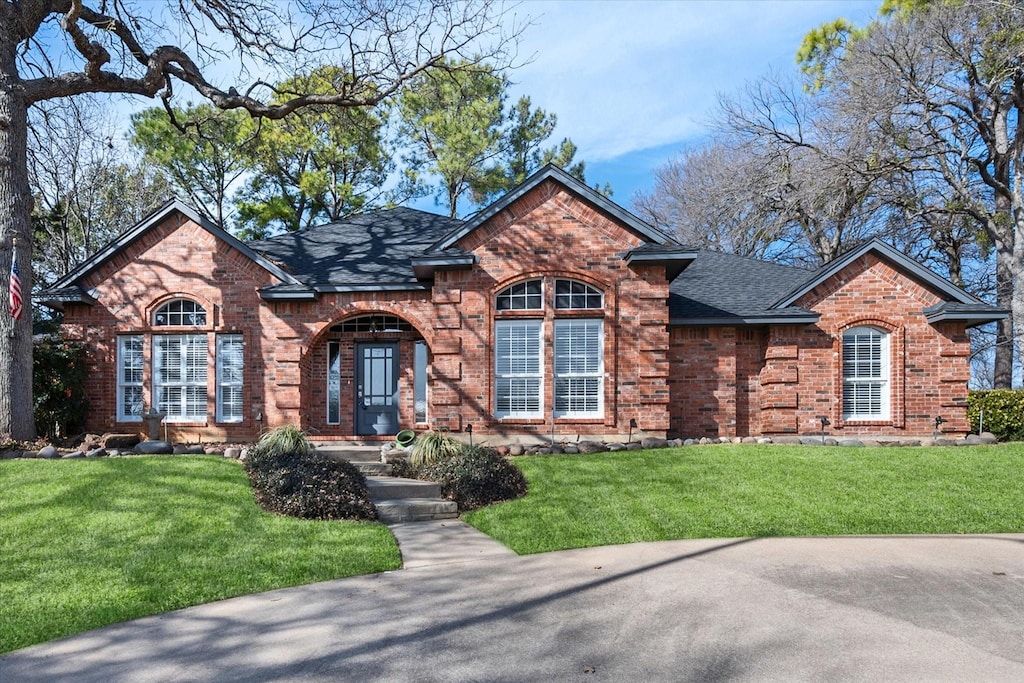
517	368
230	370
179	377
865	374
129	378
578	366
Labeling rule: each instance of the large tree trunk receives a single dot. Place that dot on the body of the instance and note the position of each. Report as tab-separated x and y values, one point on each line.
16	419
1005	285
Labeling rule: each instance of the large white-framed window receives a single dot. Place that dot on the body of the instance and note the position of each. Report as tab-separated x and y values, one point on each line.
179	376
230	377
579	368
129	378
576	295
866	374
518	369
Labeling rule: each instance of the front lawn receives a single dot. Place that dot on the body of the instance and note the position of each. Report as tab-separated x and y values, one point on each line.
748	491
84	543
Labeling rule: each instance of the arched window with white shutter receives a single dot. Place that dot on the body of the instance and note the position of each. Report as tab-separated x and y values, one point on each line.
866	374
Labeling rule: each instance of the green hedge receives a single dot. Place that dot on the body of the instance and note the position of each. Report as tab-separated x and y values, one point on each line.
1003	413
58	387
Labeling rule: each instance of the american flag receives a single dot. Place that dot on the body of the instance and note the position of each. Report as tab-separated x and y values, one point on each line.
15	288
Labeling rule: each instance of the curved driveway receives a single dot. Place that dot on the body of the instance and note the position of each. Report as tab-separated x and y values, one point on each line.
865	608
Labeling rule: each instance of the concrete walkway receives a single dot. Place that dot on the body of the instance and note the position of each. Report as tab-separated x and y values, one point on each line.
444	541
873	608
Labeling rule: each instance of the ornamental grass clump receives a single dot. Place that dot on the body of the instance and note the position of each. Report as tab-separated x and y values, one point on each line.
476	476
290	477
431	447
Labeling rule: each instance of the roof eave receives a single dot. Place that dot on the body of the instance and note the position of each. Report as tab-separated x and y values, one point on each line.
972	318
425	267
674	262
727	321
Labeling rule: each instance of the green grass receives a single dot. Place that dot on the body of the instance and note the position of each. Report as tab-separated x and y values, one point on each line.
756	491
84	543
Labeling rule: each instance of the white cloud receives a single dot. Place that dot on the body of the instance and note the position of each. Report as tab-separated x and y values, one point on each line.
627	76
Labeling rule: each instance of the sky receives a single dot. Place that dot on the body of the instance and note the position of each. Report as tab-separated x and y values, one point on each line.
634	83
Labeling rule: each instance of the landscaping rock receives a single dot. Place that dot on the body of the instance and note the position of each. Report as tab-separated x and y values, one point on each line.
988	438
153	447
616	447
943	441
516	449
787	440
91	441
113	452
812	440
48	452
244	455
851	443
179	449
973	440
688	442
653	442
633	446
572	450
232	452
197	449
675	443
502	450
96	453
543	451
123	441
72	455
591	447
748	439
704	441
764	440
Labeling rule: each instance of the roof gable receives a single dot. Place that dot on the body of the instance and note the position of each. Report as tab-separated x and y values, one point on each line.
895	258
155	218
554	173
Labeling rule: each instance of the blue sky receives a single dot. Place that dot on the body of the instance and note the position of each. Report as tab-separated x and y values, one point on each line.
633	83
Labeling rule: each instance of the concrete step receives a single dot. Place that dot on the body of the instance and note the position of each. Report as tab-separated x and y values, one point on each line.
373	469
350	453
392	488
415	510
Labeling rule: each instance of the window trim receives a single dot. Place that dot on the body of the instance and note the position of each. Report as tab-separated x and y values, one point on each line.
222	384
526	295
885	378
122	384
538	325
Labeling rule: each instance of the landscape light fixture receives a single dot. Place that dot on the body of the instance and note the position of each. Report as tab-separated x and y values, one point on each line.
825	422
938	421
469	430
632	426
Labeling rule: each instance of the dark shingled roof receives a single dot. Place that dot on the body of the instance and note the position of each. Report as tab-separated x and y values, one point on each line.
719	286
371	249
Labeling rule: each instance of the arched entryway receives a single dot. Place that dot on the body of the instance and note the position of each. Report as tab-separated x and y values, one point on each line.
367	376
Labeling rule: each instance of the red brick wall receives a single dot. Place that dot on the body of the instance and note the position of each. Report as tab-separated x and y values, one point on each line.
780	379
693	382
547	233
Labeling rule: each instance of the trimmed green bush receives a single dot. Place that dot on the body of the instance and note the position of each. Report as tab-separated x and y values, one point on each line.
476	476
58	387
1003	413
289	477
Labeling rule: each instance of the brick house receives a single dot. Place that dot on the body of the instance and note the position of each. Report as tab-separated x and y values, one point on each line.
552	311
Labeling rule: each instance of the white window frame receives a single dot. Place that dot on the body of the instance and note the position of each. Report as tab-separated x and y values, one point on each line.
173	314
505	373
511	296
569	366
193	378
585	293
860	373
124	384
233	381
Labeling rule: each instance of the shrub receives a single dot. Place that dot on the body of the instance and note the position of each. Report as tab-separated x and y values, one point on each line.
58	387
476	476
289	477
431	447
1004	413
